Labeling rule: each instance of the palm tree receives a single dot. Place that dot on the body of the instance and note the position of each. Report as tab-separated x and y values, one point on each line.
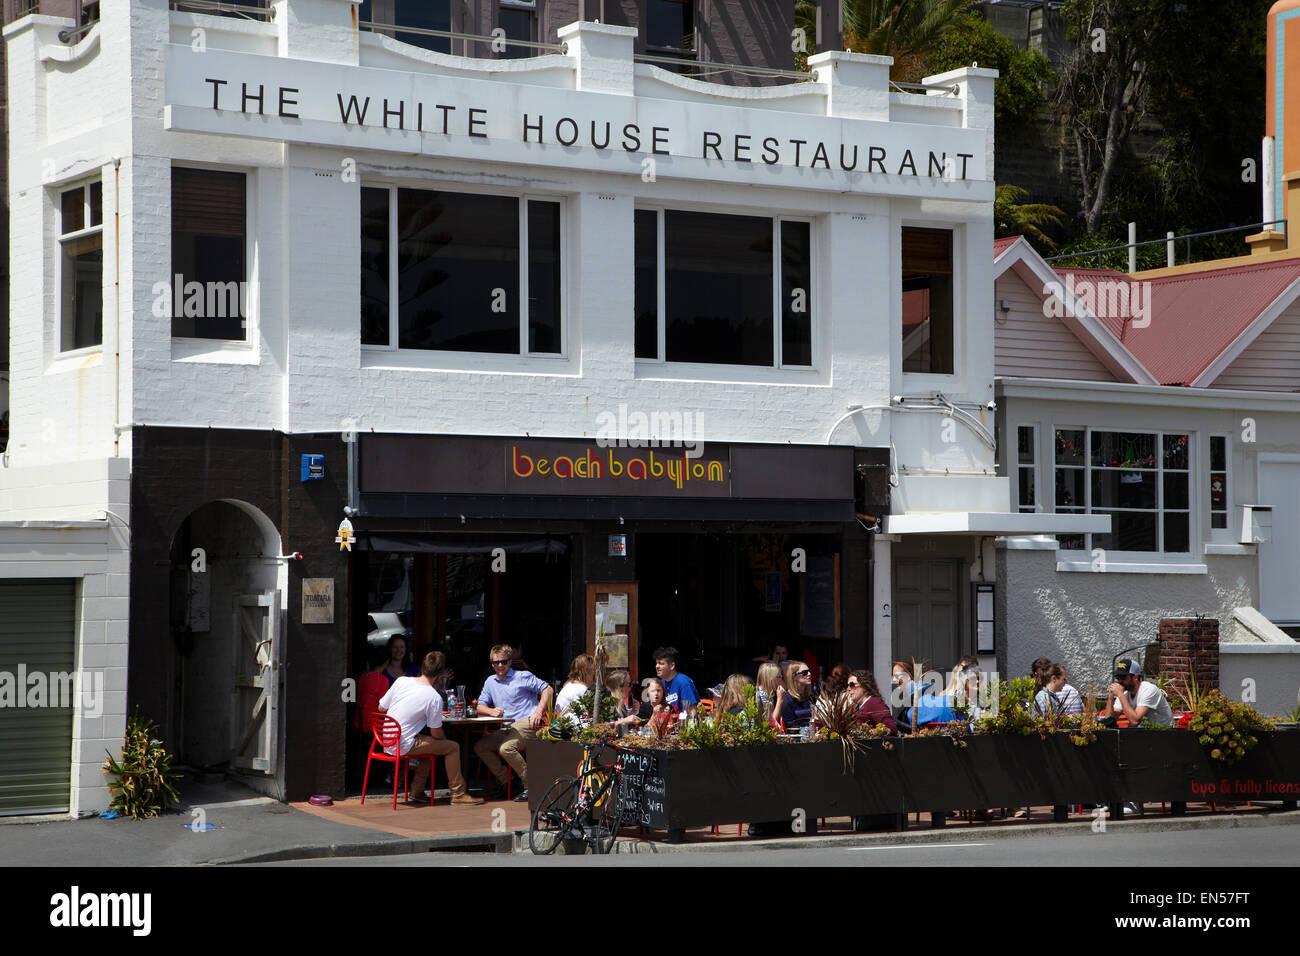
897	28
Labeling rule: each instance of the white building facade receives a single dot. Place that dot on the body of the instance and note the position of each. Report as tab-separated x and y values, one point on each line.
459	282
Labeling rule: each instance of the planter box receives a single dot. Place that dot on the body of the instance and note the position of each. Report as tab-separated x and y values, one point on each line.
746	784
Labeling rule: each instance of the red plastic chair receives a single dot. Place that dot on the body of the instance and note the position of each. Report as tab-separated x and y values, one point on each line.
388	733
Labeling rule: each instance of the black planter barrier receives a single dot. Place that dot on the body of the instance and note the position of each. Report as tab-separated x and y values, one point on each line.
677	789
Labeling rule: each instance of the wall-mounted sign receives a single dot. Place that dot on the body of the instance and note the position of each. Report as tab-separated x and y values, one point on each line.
313	467
982	600
318	600
303	101
618	546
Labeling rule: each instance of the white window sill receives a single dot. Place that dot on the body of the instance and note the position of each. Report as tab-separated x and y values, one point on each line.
741	374
76	360
1237	549
215	351
1036	542
1109	566
430	361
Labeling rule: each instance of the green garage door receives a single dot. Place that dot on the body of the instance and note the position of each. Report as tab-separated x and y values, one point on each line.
36	638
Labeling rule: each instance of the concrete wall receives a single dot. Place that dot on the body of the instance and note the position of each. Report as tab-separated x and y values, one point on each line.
1269	672
1083	619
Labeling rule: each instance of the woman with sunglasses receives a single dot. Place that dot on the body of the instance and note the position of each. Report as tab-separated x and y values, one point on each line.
872	709
795	699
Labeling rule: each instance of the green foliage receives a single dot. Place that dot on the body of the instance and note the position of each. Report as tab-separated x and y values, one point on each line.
903	29
1014	217
144	784
745	729
1022	74
1014	697
1226	727
582	707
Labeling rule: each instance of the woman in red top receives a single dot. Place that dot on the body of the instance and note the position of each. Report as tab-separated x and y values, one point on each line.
872	708
371	686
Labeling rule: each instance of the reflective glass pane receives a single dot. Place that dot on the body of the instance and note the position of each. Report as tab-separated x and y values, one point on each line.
1069	446
1123	489
458	271
647	283
796	293
374	266
1131	531
544	278
1124	449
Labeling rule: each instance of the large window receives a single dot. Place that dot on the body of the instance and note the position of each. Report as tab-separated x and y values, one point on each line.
1140	479
81	267
927	301
470	273
422	14
210	291
721	289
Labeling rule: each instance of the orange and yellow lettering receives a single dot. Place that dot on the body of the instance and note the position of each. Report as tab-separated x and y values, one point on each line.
568	471
543	466
527	463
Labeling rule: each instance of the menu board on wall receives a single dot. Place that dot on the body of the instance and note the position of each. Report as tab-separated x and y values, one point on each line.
611	614
819	597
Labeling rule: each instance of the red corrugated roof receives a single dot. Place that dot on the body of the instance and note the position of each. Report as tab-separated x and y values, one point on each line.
1194	316
1002	245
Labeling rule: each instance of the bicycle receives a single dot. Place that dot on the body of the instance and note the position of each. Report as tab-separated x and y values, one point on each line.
585	807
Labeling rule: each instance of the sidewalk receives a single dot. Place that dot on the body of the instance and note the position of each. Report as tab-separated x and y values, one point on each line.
248	828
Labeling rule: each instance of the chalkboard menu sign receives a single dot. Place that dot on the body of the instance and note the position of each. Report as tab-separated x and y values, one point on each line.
819	608
642	795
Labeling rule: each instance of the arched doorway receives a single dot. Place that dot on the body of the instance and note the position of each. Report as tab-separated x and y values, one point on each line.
227	587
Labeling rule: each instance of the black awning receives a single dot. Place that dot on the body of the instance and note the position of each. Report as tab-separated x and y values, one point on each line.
422	543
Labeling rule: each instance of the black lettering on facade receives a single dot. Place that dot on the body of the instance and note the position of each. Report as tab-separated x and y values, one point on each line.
907	162
353	107
400	113
711	142
475	121
656	140
770	149
737	147
593	136
216	88
529	126
848	168
820	154
559	131
874	160
249	96
285	101
632	133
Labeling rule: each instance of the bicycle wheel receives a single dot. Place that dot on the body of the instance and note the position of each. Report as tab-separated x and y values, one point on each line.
553	818
608	821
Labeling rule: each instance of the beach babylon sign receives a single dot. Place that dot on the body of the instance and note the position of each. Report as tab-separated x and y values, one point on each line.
303	101
471	465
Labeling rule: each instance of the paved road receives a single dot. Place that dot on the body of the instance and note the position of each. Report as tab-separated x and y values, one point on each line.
1236	847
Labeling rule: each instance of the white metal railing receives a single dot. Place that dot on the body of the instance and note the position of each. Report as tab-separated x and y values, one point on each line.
923	88
249	11
452	35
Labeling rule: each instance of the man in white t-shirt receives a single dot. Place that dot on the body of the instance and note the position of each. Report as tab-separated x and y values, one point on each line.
414	704
1139	700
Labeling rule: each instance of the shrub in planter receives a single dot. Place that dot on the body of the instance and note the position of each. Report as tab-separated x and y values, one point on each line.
1225	727
144	784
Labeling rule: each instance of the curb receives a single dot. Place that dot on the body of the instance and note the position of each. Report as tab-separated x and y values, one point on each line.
457	843
517	841
965	835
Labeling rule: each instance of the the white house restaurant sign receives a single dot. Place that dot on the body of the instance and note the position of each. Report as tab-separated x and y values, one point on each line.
363	108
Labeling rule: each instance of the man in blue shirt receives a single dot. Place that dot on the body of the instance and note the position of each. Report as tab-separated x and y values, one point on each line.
679	690
522	699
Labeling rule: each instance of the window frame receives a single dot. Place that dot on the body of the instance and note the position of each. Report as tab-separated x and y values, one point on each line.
1194	491
678	53
660	360
454	355
519	52
243	350
1031	467
923	381
1225	534
61	237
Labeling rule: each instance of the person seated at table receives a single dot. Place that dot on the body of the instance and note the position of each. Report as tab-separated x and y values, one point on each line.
925	703
765	687
795	699
900	695
733	694
619	685
371	685
582	674
397	659
837	681
1138	700
1052	698
522	699
653	699
415	705
679	690
871	707
963	686
1038	671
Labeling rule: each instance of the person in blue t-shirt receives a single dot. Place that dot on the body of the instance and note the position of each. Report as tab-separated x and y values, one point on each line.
679	689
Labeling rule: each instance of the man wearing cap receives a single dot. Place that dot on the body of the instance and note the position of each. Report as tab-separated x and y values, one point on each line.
1137	699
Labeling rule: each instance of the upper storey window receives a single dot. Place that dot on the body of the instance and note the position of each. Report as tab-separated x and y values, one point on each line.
927	301
81	267
209	236
670	27
421	14
723	289
460	272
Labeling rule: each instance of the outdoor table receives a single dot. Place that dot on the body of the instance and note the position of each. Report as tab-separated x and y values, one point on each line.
486	724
